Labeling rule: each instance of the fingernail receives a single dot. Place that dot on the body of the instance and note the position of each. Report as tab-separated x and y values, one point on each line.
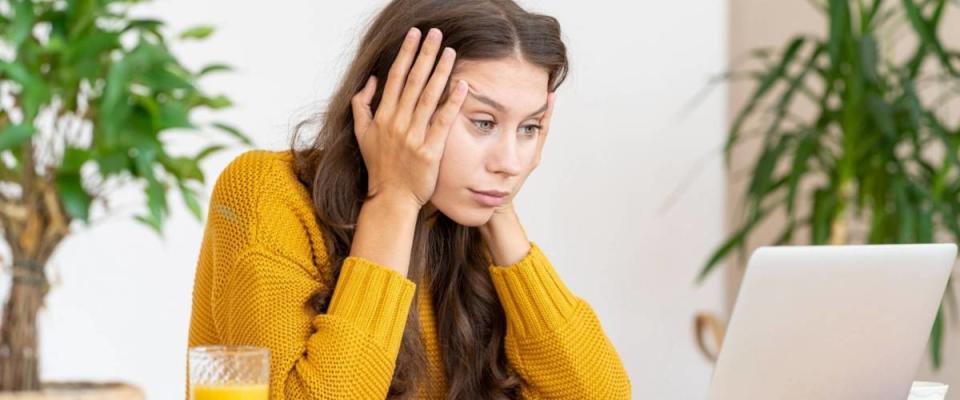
461	86
412	33
434	34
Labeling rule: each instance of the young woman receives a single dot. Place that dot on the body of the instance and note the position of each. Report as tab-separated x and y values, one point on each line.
385	259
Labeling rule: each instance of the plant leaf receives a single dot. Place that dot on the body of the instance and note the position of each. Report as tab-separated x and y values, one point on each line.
233	132
731	243
212	68
936	339
76	200
197	32
765	83
926	30
14	135
190	200
208	151
22	22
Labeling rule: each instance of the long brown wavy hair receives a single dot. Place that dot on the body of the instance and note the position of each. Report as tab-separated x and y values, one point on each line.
453	258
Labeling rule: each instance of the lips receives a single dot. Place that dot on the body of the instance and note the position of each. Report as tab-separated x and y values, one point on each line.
492	193
489	198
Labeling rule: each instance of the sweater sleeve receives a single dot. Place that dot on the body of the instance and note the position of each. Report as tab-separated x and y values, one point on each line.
349	352
554	340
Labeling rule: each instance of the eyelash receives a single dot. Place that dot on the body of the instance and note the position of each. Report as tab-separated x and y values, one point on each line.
475	121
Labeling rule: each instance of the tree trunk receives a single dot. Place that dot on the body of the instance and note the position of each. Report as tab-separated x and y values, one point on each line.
33	227
19	353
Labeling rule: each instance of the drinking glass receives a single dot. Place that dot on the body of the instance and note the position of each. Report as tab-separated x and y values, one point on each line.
229	373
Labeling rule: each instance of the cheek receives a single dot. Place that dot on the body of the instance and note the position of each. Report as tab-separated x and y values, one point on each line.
529	152
528	155
461	158
460	166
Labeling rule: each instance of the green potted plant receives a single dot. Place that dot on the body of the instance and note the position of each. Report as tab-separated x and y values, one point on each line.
88	94
878	150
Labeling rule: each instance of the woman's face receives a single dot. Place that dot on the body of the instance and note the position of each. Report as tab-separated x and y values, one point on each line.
492	146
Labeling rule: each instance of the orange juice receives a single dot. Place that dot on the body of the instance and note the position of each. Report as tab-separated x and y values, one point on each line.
230	392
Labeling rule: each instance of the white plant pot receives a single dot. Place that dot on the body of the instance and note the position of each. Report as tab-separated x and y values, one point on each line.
78	391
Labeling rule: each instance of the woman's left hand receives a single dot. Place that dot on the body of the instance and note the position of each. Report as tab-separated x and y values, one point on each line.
503	233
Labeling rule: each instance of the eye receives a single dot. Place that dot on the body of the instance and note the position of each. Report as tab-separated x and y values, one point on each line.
532	129
483	124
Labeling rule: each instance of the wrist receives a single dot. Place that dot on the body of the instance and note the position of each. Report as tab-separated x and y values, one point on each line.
384	231
505	238
393	203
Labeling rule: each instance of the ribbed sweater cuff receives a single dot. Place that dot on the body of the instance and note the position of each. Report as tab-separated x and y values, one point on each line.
375	298
534	298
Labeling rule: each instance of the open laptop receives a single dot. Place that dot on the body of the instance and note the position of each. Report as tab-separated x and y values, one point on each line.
832	322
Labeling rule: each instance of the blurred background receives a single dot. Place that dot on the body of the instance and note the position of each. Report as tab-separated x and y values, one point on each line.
631	198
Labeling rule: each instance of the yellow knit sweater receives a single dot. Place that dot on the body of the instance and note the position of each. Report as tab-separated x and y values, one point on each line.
263	255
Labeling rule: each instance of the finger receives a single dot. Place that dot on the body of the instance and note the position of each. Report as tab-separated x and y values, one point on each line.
362	115
418	76
398	71
430	98
444	118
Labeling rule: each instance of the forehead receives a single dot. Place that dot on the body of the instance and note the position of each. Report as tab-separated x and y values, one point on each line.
519	85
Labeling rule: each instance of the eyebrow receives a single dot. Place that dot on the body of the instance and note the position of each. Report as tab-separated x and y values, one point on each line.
499	107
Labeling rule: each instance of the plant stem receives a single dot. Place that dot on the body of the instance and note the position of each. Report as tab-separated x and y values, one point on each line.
18	333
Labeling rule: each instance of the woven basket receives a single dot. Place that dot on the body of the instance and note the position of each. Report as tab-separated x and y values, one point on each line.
78	391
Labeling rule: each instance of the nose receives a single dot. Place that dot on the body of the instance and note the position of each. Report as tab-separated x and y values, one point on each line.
504	157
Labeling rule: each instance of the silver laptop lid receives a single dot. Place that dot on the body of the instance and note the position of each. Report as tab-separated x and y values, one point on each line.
831	322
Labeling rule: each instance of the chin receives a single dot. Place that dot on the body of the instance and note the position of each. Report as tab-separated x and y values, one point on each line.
472	216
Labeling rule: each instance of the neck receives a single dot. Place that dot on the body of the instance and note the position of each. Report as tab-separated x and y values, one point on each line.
430	214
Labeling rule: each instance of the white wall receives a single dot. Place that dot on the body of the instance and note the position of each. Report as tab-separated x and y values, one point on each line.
595	205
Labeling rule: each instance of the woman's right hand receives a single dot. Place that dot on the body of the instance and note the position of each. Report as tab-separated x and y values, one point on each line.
402	144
